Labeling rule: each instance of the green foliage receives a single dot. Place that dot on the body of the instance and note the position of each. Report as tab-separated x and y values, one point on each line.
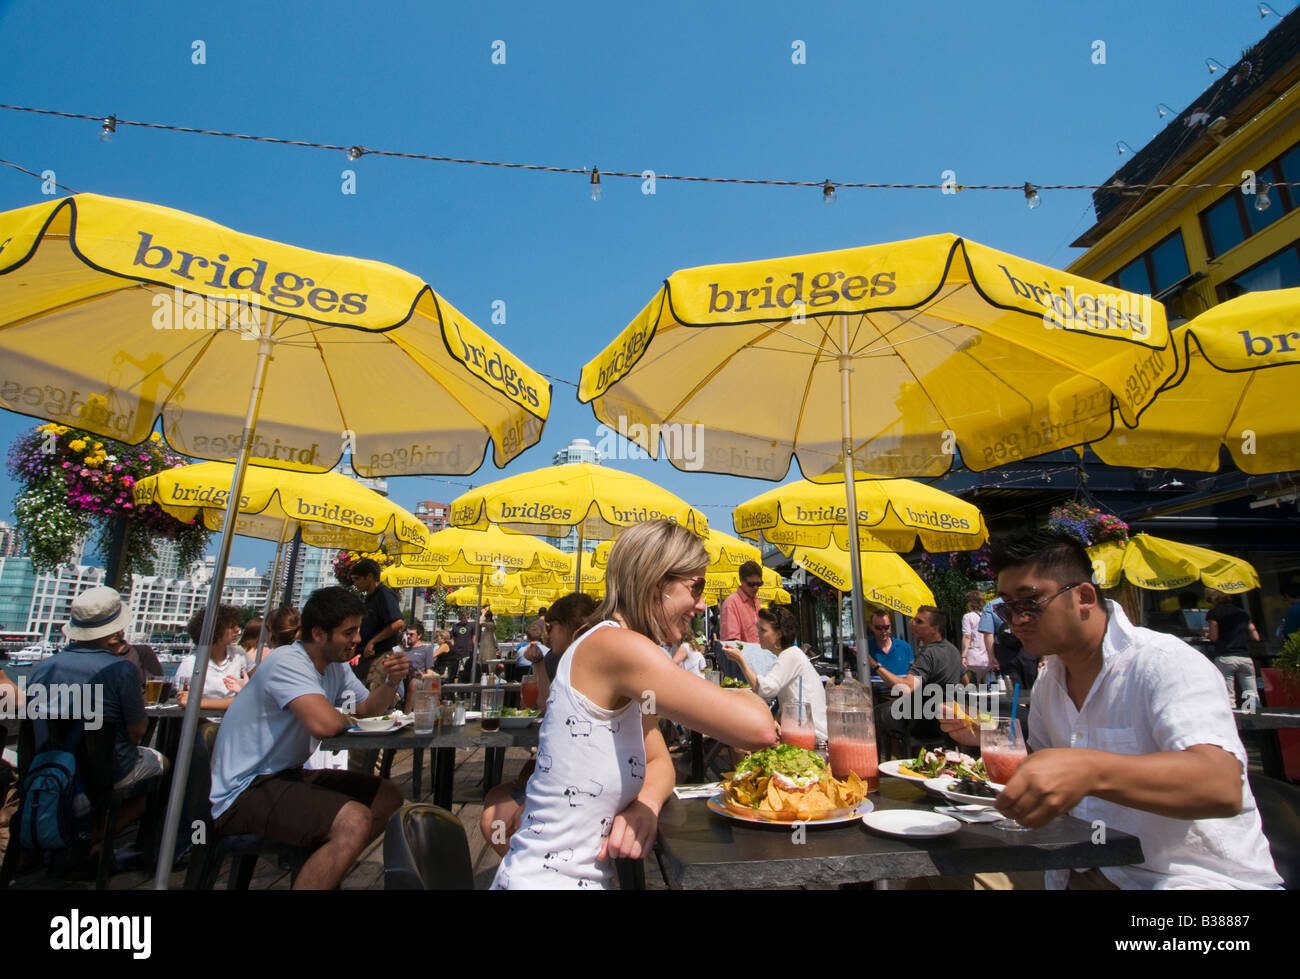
1289	658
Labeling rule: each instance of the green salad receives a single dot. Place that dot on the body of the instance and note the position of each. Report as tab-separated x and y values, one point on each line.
731	681
783	759
518	712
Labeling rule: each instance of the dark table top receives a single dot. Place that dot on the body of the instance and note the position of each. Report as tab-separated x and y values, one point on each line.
470	735
1267	718
704	850
163	711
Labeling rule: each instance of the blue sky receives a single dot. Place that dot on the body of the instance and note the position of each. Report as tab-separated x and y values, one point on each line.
997	92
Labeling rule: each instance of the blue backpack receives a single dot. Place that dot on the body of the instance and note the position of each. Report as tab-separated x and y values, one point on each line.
49	792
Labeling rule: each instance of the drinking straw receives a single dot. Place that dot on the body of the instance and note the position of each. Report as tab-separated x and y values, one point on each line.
800	698
1015	710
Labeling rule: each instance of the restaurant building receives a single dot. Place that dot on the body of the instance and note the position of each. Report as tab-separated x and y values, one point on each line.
1191	247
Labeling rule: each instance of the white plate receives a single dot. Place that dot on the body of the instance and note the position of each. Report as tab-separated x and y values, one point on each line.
516	723
942	786
910	822
891	768
397	725
718	805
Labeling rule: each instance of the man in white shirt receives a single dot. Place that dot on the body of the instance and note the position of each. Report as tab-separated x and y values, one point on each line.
275	724
1127	726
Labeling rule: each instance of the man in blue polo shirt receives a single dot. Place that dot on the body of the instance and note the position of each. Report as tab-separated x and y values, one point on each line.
895	655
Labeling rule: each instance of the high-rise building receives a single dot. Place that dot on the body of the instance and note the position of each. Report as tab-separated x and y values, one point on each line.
166	559
579	450
165	605
433	515
17	586
11	541
315	569
52	598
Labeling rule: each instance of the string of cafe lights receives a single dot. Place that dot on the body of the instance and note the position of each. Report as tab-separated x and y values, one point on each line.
109	126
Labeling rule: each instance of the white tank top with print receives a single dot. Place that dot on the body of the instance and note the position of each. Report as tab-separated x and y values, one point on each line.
590	767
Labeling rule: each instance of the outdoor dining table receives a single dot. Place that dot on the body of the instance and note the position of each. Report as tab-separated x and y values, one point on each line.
702	850
443	742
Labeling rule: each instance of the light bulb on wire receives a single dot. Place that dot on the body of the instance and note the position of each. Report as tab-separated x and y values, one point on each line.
828	192
355	153
1214	65
1262	203
1032	200
595	184
110	127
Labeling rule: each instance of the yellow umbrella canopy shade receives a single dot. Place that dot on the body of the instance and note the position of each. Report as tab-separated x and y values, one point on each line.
887	580
892	515
550	502
330	509
1238	372
397	576
152	310
953	346
461	549
726	553
1157	564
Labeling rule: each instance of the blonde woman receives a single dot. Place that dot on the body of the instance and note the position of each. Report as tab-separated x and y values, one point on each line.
603	771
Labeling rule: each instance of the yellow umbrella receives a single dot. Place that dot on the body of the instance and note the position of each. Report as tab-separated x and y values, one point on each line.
550	502
887	360
328	510
887	579
116	314
1238	374
726	553
398	576
331	510
1158	564
466	550
892	515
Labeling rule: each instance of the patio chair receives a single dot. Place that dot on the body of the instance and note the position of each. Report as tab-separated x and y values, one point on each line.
208	857
95	757
1279	814
425	849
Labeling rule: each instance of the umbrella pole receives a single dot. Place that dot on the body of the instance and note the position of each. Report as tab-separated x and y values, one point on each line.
270	594
577	564
190	726
473	668
850	493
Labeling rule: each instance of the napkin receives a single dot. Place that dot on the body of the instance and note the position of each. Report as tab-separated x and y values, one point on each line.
706	790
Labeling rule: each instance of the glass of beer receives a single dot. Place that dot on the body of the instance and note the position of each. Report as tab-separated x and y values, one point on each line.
153	688
528	692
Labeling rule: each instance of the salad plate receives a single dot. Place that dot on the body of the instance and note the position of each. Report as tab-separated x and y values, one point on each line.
943	785
891	768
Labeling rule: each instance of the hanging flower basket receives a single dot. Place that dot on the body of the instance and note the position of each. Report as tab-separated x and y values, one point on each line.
344	560
1087	524
72	483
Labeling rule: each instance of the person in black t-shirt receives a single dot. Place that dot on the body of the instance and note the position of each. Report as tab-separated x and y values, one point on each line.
1231	631
463	636
381	628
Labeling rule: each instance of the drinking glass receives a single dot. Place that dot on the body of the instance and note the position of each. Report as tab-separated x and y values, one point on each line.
528	692
1003	748
492	698
797	725
425	716
852	736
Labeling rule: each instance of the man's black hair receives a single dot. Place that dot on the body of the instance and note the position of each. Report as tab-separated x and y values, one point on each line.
418	627
328	608
367	568
750	568
1057	556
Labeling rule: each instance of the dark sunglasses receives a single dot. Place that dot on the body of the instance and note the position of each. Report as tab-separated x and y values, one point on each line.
1031	608
881	628
696	585
753	584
